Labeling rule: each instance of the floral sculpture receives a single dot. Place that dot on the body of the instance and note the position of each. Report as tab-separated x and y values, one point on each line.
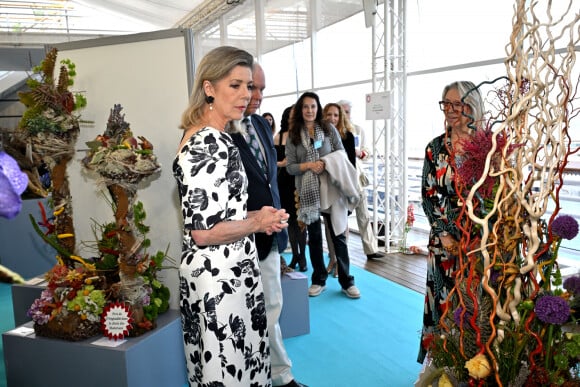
70	305
508	321
122	162
80	290
51	129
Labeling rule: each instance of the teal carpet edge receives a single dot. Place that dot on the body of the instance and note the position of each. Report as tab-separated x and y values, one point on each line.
6	323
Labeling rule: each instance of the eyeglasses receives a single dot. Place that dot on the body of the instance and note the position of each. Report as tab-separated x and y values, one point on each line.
454	106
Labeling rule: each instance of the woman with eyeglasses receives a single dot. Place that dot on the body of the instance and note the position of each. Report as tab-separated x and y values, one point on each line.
462	107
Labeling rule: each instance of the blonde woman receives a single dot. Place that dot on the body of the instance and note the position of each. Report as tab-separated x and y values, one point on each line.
333	113
223	313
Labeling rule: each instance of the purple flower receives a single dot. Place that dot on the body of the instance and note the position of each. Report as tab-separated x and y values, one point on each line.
36	311
12	183
552	309
457	317
572	284
565	226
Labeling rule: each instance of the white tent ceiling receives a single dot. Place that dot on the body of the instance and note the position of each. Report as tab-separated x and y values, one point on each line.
33	23
27	27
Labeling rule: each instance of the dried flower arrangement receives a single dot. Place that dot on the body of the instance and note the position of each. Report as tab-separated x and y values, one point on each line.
80	289
508	321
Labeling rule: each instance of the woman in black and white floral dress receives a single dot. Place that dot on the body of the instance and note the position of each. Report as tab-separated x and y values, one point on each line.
221	299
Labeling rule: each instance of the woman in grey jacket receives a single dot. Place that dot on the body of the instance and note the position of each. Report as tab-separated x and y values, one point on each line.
309	139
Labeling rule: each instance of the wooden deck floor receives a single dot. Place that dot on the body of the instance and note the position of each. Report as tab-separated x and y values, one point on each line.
411	270
407	270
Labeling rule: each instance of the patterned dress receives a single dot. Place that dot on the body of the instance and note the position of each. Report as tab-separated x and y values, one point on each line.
222	305
440	205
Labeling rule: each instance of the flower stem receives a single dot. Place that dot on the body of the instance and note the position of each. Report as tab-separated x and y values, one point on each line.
549	346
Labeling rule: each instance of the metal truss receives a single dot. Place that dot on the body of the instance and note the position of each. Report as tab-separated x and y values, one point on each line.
389	150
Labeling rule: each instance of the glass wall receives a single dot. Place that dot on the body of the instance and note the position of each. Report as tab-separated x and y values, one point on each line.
446	40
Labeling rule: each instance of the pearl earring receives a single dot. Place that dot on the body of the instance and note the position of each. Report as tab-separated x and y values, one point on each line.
209	99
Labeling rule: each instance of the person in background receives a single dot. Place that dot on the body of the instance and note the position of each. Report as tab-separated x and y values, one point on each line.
462	105
221	295
368	237
289	197
309	139
270	118
334	114
255	143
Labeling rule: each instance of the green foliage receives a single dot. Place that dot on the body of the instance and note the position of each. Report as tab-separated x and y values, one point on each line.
41	123
51	98
109	248
160	293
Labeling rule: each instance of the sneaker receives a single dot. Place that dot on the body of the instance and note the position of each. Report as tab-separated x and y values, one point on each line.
351	292
315	290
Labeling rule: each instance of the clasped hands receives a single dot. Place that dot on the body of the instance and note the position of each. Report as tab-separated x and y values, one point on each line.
317	166
271	219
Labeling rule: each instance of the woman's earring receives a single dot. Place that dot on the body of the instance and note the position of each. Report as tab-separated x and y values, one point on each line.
209	99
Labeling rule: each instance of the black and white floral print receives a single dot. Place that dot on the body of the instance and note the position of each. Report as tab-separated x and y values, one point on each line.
222	305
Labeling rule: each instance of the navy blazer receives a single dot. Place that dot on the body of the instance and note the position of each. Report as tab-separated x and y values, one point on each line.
262	190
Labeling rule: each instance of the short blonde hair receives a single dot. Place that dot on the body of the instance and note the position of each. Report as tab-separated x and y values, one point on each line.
214	66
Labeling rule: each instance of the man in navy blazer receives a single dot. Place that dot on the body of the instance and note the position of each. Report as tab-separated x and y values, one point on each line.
263	191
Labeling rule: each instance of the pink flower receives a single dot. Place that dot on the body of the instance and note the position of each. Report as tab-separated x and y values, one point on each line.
410	215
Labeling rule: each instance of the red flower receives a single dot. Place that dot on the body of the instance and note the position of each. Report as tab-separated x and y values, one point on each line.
475	151
428	341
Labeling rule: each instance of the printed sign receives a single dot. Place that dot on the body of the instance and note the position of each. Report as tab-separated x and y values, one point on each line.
378	106
116	320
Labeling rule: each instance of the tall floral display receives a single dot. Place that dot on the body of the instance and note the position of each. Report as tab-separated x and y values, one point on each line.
509	321
50	127
80	291
123	161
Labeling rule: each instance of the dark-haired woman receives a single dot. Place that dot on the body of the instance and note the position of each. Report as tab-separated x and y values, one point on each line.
309	139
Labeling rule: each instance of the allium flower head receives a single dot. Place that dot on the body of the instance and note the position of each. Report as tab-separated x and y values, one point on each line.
565	226
552	310
572	284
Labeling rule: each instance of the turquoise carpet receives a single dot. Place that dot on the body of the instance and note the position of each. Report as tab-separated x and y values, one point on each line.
6	323
369	342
